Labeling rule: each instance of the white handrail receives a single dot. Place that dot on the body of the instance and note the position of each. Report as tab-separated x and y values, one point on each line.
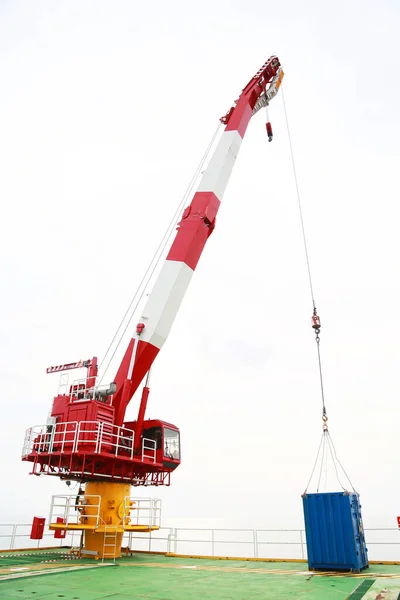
144	512
73	509
105	437
149	449
211	542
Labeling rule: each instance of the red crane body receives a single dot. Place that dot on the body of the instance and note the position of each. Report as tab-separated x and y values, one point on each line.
86	437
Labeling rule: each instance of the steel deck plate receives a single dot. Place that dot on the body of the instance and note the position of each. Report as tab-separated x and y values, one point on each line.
51	576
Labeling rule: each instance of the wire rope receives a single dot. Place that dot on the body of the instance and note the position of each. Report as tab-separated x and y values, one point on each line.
322	459
305	243
299	200
315	463
326	471
335	465
338	461
326	439
156	260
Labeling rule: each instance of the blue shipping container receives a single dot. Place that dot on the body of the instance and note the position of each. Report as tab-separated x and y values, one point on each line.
334	532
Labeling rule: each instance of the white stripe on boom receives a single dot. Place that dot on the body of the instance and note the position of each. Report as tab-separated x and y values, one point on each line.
174	278
221	164
164	301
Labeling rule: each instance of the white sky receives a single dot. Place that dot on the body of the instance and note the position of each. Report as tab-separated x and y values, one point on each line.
105	111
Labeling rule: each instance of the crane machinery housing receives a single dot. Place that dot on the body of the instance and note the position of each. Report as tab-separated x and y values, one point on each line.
86	437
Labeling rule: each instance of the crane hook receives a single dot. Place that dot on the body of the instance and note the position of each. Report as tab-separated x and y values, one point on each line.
324	420
316	324
269	126
269	131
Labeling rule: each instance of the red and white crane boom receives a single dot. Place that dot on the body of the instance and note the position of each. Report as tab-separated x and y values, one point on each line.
198	222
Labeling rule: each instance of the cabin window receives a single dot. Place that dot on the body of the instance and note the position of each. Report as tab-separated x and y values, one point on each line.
154	433
171	443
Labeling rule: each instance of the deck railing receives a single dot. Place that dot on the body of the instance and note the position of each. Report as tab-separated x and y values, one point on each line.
383	543
75	510
82	436
142	512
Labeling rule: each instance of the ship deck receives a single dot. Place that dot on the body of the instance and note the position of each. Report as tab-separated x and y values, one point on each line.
53	574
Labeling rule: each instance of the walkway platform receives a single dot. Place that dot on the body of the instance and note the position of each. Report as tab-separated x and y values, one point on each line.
101	528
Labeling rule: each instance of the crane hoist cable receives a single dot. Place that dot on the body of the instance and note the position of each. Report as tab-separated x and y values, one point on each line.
155	261
315	320
326	443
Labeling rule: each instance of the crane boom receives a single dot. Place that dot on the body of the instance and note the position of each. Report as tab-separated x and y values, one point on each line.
195	227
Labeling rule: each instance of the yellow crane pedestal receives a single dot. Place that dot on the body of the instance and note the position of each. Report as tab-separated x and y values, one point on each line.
104	514
106	539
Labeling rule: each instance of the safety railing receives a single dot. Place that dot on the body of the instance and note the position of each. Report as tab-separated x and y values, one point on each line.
149	450
75	510
144	512
50	438
61	437
105	437
31	434
383	544
98	436
42	438
63	384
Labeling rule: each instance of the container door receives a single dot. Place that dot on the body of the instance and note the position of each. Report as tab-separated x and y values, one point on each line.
359	537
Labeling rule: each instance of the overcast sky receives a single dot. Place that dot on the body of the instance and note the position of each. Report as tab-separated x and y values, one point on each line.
105	111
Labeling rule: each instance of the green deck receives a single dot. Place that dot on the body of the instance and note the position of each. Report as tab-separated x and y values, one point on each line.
26	575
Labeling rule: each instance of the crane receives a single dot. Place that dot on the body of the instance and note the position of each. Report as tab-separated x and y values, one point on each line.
86	437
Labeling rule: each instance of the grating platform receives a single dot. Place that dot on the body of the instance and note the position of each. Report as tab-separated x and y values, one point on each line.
51	575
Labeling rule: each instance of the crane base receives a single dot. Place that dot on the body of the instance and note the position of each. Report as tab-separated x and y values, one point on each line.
106	538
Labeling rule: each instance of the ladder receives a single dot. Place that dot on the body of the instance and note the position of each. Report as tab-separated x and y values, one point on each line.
110	542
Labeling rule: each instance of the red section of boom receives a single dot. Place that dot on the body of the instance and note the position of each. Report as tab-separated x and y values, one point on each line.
196	226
